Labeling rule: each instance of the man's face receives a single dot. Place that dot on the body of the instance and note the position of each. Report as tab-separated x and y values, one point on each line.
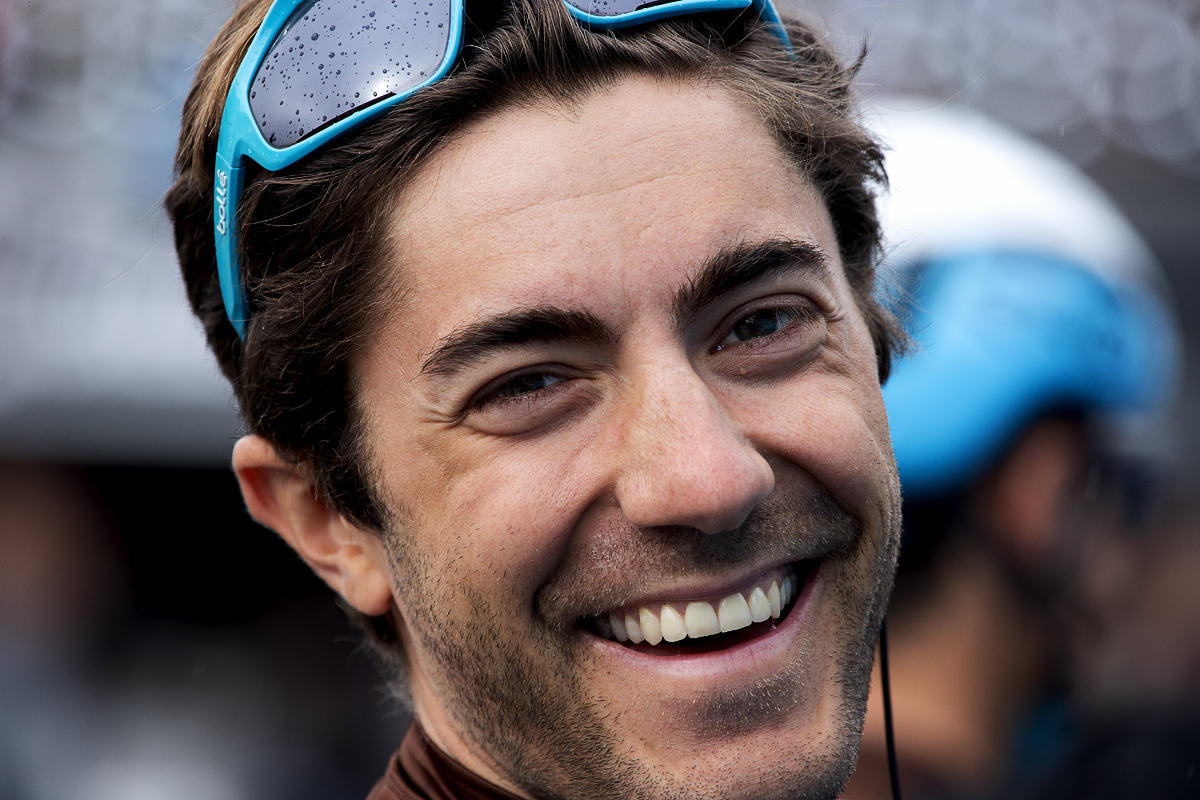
627	373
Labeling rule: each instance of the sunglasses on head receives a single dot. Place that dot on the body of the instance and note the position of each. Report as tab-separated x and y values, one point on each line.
319	68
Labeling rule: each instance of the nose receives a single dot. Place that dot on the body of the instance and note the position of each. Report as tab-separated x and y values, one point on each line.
684	462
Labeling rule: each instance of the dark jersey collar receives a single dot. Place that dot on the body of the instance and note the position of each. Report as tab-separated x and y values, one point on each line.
420	771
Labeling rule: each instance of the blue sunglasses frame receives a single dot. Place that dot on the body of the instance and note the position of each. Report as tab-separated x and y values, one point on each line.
241	140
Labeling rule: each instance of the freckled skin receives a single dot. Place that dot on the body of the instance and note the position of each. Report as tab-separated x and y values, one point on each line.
657	461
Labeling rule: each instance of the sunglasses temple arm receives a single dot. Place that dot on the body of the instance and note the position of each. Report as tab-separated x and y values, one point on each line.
227	188
770	15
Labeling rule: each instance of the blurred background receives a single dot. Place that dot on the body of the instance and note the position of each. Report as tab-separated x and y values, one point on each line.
155	643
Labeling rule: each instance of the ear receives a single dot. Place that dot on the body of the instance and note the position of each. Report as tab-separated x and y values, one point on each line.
283	497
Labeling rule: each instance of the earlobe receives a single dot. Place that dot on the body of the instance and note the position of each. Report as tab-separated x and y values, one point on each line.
282	496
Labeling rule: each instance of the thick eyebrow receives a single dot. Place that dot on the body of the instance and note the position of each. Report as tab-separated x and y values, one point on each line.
745	263
479	340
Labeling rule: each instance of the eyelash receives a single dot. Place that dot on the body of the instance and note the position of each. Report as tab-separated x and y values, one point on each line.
801	313
492	395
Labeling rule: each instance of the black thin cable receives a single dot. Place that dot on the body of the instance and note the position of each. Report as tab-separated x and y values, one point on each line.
887	711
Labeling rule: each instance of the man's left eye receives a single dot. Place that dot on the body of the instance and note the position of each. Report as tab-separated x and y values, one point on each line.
762	323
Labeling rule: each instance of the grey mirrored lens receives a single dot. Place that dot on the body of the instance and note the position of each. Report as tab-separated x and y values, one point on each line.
335	57
611	8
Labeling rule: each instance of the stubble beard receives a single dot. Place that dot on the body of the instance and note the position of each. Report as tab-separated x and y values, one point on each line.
522	698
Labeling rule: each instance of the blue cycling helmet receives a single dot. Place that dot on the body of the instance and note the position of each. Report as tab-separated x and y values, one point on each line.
1006	336
1030	294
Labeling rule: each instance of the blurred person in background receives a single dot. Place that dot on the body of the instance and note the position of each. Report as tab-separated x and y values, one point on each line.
1027	429
62	583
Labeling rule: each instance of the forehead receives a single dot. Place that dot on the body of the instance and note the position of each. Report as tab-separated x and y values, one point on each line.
611	201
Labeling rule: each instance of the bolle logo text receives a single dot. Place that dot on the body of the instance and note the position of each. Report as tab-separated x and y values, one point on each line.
222	190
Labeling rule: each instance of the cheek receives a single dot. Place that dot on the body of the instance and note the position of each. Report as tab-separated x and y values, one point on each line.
497	514
836	430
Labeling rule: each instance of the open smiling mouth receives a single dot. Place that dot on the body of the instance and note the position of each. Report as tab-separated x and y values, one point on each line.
687	627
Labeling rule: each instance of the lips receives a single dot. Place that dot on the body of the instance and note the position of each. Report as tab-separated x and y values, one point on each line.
720	621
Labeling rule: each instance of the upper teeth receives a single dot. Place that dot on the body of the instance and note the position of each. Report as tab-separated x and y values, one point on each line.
699	618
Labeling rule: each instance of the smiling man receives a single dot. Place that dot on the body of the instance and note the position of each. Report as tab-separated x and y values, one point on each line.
563	371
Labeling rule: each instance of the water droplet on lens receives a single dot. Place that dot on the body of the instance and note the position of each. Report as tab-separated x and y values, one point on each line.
315	36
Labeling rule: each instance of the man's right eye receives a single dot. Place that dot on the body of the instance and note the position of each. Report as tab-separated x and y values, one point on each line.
515	390
526	384
536	399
